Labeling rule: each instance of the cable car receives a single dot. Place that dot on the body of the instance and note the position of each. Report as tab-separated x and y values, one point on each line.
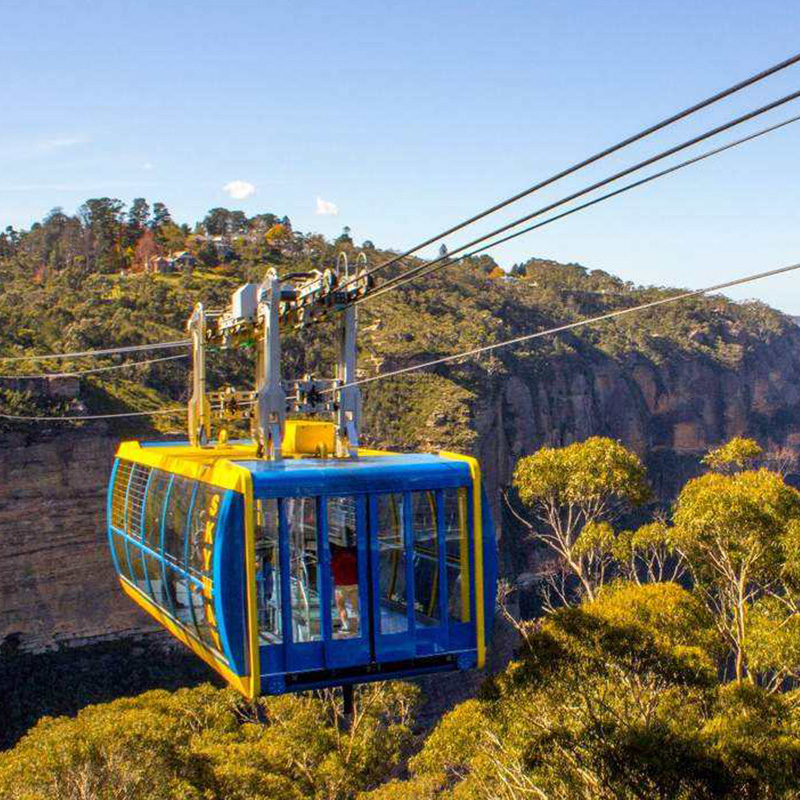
298	560
308	572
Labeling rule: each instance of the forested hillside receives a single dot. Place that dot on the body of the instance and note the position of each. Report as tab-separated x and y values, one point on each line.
80	283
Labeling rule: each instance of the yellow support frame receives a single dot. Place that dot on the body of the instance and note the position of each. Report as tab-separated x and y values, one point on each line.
477	533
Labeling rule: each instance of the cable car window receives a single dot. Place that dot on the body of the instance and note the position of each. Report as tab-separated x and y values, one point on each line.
426	558
301	519
137	567
455	532
154	507
200	560
181	595
154	579
180	501
204	617
268	571
392	564
345	613
119	494
201	530
121	556
137	488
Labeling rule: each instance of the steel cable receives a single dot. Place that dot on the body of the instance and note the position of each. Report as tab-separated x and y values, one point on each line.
567	327
434	266
596	157
444	260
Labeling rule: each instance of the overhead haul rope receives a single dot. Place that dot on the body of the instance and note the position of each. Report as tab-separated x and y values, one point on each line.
592	159
445	260
134	348
435	266
107	368
181	409
567	327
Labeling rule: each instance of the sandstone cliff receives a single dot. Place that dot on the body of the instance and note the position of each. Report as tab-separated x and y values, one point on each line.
56	584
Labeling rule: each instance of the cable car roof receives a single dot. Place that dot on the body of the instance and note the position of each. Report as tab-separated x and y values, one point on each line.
373	471
347	475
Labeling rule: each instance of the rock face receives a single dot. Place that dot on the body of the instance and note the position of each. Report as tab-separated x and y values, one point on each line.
56	581
669	413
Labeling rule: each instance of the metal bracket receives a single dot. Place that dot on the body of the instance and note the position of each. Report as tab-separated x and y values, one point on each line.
256	315
271	399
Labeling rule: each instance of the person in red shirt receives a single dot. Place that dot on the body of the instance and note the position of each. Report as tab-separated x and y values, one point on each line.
344	566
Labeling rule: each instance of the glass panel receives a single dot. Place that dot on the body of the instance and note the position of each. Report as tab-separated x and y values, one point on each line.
455	532
391	564
136	492
204	617
178	587
118	494
426	558
180	498
152	570
118	543
200	560
137	565
268	571
153	508
202	526
345	616
301	518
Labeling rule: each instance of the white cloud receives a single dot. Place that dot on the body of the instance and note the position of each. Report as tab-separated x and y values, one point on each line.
239	190
326	209
50	145
147	165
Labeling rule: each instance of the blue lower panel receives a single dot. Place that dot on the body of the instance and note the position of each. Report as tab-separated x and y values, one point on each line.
320	679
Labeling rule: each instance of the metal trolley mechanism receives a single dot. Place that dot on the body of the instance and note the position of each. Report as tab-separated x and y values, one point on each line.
256	315
297	559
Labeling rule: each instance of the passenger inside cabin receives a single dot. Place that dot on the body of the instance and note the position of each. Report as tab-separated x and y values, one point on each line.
344	566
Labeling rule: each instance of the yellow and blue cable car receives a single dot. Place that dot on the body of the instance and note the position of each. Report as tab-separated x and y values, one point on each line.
298	560
307	572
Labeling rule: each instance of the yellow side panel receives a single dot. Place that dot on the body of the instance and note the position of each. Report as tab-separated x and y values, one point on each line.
477	522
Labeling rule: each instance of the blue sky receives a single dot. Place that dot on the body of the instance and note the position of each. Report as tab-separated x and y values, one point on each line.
408	117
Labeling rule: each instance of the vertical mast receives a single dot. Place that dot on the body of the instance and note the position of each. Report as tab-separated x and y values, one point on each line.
270	396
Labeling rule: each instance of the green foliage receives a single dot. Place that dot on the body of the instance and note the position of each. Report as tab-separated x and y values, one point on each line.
676	618
596	539
739	535
738	452
740	518
206	743
592	475
615	700
572	492
772	639
60	286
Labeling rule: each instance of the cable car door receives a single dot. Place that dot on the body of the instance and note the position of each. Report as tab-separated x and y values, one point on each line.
408	596
345	581
326	548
